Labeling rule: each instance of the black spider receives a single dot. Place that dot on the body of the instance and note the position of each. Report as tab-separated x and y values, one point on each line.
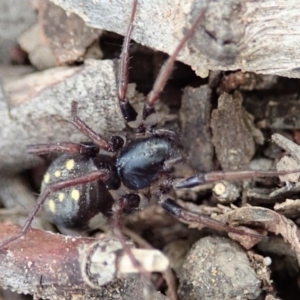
75	188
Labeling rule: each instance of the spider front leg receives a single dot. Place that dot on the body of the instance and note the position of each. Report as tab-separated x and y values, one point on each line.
182	214
174	209
89	149
204	178
53	187
166	70
185	216
128	112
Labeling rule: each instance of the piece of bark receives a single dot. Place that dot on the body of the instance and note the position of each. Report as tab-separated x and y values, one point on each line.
195	135
246	82
257	196
257	36
277	107
283	112
39	53
217	268
12	72
285	192
16	16
66	34
37	109
53	266
232	138
261	266
289	162
270	220
226	191
289	208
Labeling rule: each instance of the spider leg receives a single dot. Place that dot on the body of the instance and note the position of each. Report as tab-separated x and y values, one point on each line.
204	178
115	143
185	216
127	110
53	187
89	149
170	163
170	135
188	217
127	203
165	71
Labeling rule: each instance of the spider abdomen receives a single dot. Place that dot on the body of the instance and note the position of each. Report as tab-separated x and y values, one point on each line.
141	162
81	207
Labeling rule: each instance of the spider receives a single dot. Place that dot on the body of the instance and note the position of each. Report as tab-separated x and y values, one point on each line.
75	190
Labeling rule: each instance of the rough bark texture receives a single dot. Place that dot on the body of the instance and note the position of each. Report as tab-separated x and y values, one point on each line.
231	137
35	108
260	36
13	23
68	262
194	117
